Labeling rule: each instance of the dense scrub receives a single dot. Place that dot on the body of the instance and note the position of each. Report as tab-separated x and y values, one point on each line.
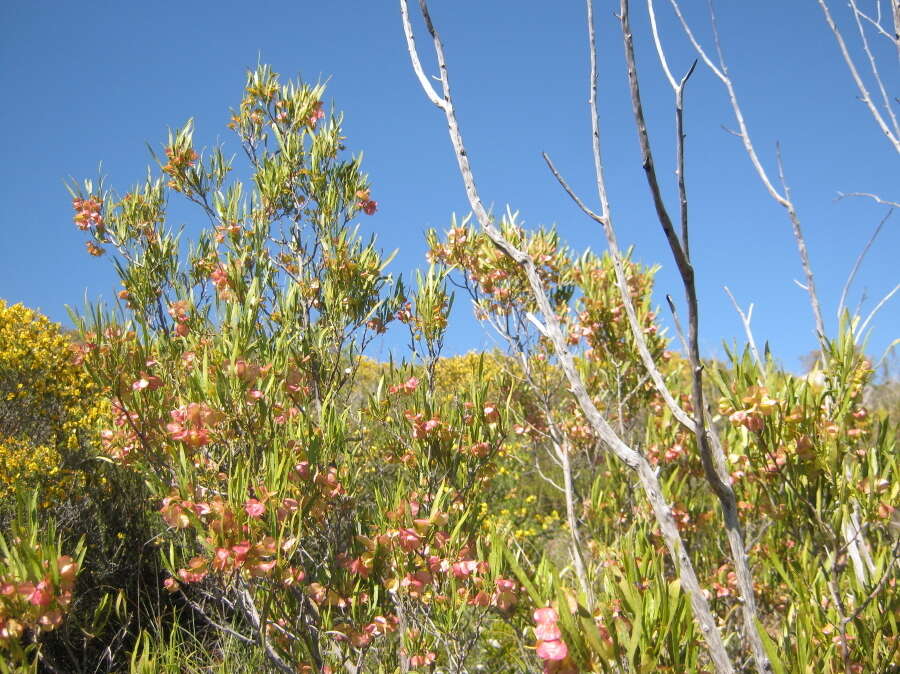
226	482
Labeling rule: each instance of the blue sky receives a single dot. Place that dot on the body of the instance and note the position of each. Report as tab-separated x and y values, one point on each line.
91	82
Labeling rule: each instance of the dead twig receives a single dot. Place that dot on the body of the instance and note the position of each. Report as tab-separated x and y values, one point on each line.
856	265
745	320
598	422
893	135
720	70
711	455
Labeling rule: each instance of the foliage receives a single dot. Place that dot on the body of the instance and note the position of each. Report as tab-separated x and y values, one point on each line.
36	583
47	406
260	494
230	374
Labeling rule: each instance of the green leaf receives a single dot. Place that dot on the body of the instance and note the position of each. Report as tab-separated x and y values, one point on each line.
771	649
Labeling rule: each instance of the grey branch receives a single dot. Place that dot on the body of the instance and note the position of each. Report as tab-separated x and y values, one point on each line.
598	422
858	263
745	320
711	454
874	197
893	136
720	70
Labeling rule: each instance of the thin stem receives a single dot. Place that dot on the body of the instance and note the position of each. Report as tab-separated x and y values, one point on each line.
711	455
873	197
563	449
804	254
876	24
856	265
743	133
877	308
745	320
873	66
678	329
598	422
866	98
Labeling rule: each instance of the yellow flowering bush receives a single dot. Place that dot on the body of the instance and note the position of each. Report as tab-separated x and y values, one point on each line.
46	404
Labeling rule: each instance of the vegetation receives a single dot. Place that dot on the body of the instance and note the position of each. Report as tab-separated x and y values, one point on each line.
213	477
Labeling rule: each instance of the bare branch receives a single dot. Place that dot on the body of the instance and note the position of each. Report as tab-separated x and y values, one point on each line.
678	330
601	220
563	449
745	319
874	197
877	308
598	422
547	479
684	266
873	66
414	57
224	628
541	328
892	136
876	23
742	133
803	252
679	158
856	265
651	11
711	455
721	72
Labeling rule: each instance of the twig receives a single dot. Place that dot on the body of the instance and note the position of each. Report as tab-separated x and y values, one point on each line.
678	88
893	137
563	448
839	605
877	308
804	253
224	628
873	65
548	479
678	329
711	455
721	72
679	158
874	197
599	424
745	319
876	23
856	265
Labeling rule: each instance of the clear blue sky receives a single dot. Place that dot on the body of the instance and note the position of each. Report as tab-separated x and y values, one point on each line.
86	82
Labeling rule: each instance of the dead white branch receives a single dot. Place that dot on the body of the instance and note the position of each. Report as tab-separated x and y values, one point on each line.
711	455
598	422
858	263
884	300
873	197
720	70
745	320
893	135
873	66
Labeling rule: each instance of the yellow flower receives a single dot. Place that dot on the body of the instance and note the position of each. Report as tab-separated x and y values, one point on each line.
47	404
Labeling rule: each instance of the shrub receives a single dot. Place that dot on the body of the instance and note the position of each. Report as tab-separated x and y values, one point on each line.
48	407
